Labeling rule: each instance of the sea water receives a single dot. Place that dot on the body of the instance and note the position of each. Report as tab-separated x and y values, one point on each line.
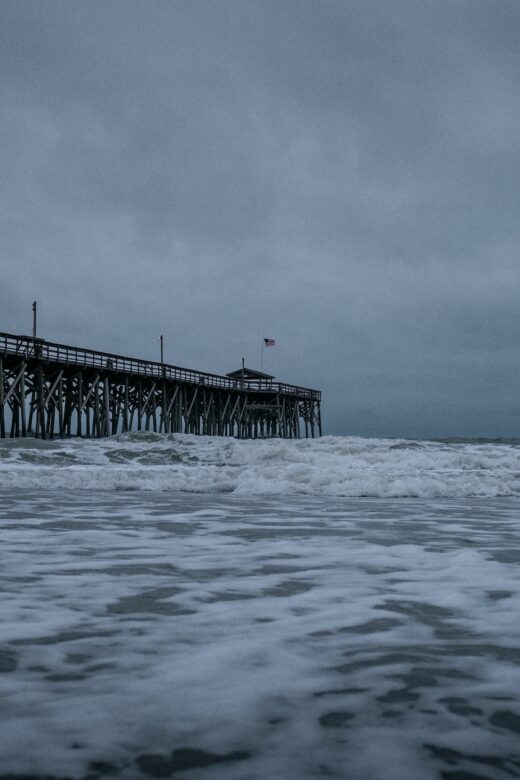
189	607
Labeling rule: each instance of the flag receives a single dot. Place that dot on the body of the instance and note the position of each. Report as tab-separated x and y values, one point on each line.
269	342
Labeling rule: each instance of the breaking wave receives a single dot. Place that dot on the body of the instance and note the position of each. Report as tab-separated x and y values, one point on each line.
330	466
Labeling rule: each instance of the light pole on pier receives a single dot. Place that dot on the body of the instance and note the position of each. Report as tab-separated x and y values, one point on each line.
163	370
34	307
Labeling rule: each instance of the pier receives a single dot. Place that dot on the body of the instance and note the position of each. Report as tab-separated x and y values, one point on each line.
49	389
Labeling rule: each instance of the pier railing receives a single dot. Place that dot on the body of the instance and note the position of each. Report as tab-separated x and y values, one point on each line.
29	348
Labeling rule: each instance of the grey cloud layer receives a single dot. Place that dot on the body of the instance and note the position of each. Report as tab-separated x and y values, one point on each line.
341	176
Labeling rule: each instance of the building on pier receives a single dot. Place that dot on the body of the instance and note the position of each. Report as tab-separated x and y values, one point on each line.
49	389
250	374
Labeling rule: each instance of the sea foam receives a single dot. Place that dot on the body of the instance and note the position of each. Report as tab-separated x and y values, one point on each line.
330	466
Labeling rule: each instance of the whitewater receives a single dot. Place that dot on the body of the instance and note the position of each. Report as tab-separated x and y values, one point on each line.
195	607
330	466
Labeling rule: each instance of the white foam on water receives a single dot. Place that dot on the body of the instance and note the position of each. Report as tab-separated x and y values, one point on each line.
311	637
330	466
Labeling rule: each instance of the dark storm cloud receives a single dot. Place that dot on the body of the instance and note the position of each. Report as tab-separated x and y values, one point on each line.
341	176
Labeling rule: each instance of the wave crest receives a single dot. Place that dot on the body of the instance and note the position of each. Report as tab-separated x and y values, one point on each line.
330	466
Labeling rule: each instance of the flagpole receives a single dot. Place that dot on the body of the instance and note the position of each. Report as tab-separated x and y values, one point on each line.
262	355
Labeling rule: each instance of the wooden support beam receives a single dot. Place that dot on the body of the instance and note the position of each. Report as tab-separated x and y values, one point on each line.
106	406
92	389
2	400
79	403
125	407
22	403
53	388
15	383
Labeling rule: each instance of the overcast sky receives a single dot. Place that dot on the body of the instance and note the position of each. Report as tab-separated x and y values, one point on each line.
343	177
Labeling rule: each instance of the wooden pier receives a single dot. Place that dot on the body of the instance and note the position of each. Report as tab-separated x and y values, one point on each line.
49	390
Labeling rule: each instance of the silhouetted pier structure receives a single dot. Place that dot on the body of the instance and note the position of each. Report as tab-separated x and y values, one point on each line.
49	389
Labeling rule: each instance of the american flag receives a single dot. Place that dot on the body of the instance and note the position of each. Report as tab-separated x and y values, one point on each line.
270	342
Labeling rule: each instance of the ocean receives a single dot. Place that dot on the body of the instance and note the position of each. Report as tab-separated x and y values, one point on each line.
191	607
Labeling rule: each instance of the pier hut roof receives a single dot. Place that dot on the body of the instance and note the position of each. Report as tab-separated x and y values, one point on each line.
248	373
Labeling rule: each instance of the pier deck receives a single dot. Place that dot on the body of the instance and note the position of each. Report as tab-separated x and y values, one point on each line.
49	389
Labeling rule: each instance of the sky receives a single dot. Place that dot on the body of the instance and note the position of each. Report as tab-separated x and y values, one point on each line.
341	176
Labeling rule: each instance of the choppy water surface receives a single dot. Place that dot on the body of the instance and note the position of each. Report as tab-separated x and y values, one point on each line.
330	466
151	633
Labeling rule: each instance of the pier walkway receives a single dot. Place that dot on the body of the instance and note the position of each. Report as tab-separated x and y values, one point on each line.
49	389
